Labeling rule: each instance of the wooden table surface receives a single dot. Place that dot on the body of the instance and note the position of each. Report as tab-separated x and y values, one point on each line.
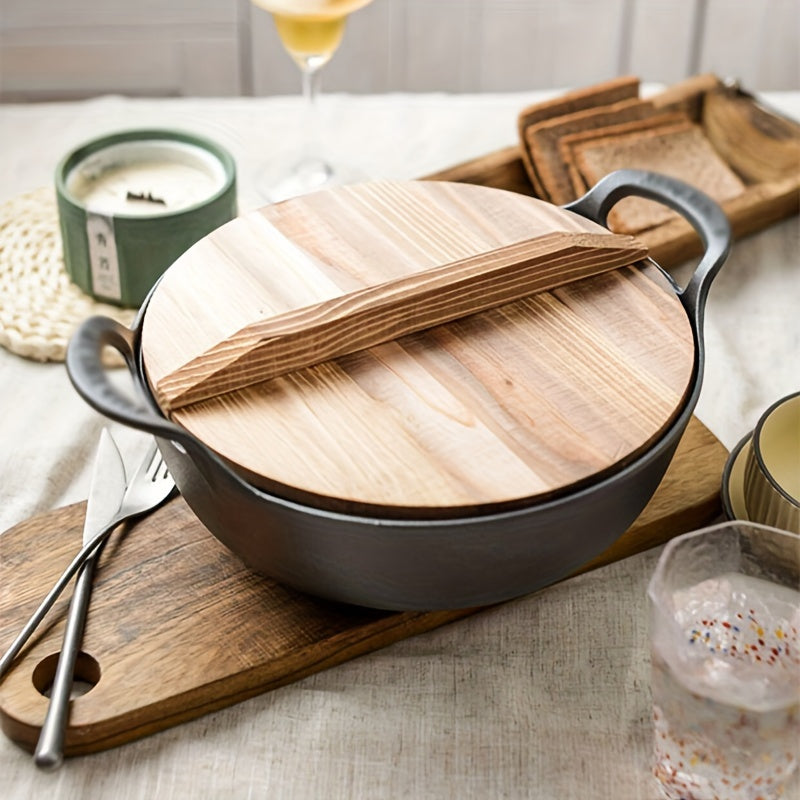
543	697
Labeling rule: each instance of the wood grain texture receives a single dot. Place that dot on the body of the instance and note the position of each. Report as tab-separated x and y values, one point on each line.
271	347
178	627
488	411
687	95
501	169
760	145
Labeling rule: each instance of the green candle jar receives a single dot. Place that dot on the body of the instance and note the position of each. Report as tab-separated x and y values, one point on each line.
131	202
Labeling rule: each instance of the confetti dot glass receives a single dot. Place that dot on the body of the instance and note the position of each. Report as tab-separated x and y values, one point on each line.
725	614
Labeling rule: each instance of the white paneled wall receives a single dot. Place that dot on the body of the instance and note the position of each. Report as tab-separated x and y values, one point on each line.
660	39
64	48
56	48
761	40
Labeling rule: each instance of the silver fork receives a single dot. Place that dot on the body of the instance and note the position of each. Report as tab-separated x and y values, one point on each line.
50	747
148	488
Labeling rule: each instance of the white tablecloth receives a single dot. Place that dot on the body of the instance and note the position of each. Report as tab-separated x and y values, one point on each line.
544	697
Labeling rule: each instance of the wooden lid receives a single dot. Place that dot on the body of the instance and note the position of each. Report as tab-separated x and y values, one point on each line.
502	408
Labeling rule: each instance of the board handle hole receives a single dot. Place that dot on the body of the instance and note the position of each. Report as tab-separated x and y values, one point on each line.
85	678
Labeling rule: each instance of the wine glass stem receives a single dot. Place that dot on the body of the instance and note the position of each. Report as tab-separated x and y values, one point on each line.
311	85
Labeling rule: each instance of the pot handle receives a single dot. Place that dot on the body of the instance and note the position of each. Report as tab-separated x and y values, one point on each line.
91	381
703	213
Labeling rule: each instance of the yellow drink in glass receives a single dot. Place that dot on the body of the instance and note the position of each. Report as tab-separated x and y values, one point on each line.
311	29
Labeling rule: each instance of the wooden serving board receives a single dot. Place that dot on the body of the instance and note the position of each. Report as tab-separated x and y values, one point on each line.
177	627
498	409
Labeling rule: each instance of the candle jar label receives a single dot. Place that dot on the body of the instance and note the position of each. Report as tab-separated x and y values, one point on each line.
103	256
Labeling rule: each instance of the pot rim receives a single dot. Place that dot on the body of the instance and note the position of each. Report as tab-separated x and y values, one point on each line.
705	216
522	508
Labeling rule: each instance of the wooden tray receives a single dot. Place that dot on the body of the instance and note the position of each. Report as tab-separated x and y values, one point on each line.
759	144
177	627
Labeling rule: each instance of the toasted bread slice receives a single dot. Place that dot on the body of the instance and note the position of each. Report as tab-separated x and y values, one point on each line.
601	94
568	141
681	152
542	141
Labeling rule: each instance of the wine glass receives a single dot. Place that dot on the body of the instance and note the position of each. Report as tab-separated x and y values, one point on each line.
310	31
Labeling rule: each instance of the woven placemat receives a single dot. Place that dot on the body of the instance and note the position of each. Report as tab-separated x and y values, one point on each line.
39	306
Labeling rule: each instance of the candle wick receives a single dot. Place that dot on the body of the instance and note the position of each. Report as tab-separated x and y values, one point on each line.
147	198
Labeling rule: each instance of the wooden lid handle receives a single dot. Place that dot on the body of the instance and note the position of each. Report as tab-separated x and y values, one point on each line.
358	320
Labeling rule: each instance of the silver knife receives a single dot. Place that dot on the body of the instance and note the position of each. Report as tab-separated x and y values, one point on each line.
105	496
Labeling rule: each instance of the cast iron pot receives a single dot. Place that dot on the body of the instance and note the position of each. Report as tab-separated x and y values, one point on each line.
407	563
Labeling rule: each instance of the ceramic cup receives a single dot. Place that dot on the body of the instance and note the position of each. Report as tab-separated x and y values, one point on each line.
772	469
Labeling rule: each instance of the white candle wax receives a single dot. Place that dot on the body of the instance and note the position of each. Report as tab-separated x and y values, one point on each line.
145	178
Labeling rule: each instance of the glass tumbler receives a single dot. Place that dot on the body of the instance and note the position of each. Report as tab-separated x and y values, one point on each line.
725	615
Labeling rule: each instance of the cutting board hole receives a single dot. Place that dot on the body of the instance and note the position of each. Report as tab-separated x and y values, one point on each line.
85	677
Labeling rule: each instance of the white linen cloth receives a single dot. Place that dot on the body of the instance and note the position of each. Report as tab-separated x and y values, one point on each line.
544	697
